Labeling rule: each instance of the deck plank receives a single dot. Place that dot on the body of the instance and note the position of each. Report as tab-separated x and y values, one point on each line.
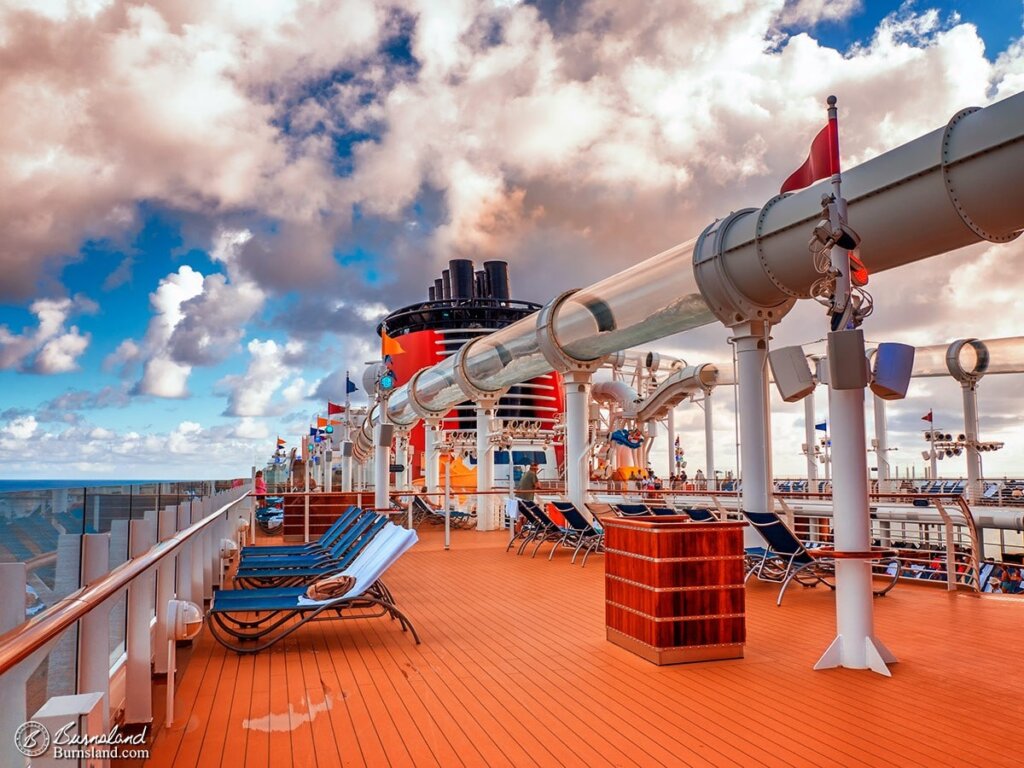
515	670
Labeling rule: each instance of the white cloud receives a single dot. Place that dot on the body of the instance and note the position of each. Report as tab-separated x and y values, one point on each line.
271	365
249	428
50	347
22	428
811	12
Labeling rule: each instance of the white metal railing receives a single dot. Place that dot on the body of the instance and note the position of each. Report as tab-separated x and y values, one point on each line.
179	545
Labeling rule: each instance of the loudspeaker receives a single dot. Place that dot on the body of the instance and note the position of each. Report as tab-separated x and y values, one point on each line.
383	433
346	448
890	375
847	365
791	372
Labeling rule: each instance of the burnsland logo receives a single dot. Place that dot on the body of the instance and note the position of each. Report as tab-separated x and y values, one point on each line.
33	739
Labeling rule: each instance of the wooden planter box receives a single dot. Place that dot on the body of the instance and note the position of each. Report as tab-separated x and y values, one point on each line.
674	589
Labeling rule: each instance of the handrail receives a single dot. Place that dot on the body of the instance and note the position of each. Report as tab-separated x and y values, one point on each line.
21	642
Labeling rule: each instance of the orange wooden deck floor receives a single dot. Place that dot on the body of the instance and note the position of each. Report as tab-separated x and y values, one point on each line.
514	670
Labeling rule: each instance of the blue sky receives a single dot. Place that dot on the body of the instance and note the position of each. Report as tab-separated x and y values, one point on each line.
202	229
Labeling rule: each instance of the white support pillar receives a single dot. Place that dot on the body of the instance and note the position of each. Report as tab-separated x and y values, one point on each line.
94	627
402	458
138	688
346	467
381	469
670	429
210	549
855	645
196	545
577	385
709	442
811	441
13	683
881	445
486	516
432	456
970	394
754	420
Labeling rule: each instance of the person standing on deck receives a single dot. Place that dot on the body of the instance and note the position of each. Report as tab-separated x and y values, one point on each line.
527	484
259	486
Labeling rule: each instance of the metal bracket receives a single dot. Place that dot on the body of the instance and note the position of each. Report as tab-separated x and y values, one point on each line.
416	406
947	178
759	245
469	389
716	285
559	360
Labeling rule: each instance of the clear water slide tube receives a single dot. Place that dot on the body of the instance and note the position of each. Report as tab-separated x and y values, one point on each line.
972	358
953	187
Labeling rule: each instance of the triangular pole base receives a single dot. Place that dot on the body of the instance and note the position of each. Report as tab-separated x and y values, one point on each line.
877	656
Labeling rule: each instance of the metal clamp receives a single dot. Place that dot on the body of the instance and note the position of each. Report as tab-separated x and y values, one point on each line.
553	352
421	410
461	376
947	178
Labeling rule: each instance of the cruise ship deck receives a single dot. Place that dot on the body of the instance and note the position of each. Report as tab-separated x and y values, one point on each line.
514	669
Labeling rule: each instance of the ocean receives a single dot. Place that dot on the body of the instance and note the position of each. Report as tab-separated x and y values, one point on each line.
44	485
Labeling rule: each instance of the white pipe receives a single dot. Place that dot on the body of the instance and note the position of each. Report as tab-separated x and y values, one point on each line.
950	188
577	409
970	395
617	392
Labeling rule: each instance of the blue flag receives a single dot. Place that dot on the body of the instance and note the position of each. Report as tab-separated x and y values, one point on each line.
823	427
349	386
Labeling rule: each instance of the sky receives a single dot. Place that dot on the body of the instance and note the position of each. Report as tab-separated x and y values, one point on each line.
206	205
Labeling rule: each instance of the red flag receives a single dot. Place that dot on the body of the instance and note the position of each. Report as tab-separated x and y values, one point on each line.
927	417
333	408
822	162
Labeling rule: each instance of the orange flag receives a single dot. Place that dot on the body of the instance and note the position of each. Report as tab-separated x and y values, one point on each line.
389	346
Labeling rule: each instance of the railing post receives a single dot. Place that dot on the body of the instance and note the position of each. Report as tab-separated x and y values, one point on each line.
167	520
205	507
138	706
12	685
196	545
94	627
183	575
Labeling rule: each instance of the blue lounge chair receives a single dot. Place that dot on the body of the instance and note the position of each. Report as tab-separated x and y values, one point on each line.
356	525
424	511
322	544
786	559
577	531
544	527
631	510
298	573
249	621
701	515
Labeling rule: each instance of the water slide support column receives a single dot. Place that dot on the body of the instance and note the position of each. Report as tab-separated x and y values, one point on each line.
970	394
881	444
755	426
811	440
670	428
381	465
577	385
432	457
486	519
709	442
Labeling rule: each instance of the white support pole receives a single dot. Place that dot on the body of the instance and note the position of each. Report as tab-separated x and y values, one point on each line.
970	395
709	442
934	456
670	429
94	627
12	684
855	645
448	504
577	385
881	445
381	471
432	457
305	501
211	554
811	440
138	688
755	447
166	524
485	514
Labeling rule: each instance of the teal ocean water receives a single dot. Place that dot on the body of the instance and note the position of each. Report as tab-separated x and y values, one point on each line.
44	485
